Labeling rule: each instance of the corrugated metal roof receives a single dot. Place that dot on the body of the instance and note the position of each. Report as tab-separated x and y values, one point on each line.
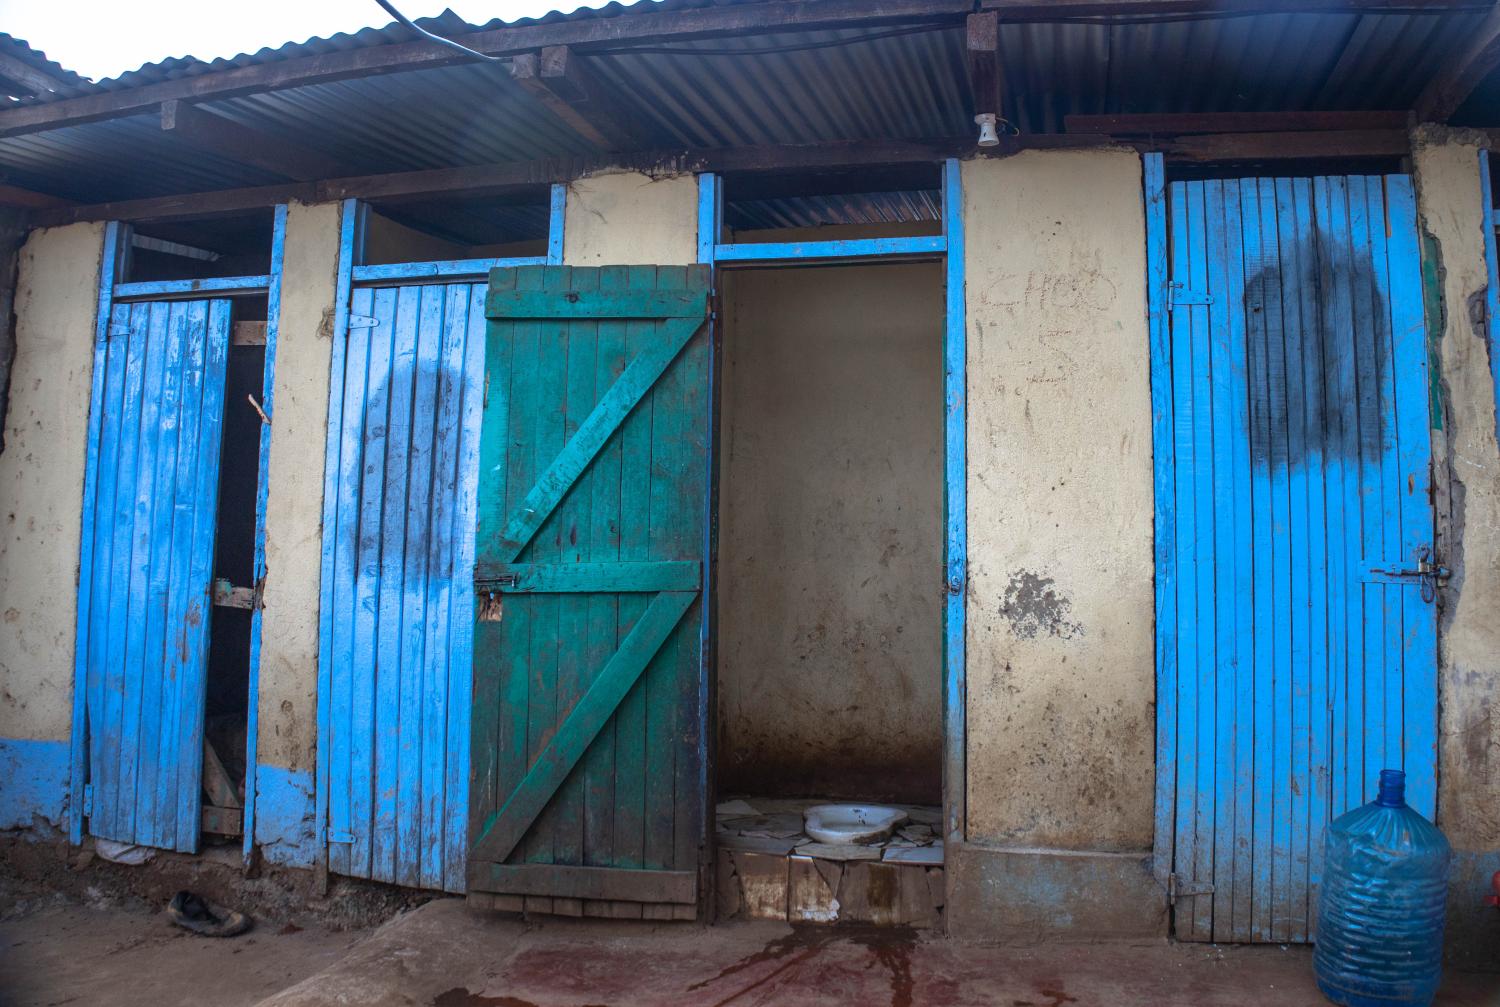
748	90
18	48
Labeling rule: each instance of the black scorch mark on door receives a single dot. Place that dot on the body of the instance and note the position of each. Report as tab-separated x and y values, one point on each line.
1318	342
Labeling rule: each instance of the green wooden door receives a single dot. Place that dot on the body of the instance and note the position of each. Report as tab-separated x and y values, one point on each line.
588	777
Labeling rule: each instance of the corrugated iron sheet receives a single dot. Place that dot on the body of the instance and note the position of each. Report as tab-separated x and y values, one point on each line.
20	49
748	90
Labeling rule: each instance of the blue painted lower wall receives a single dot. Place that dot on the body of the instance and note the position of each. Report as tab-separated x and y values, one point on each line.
33	783
285	822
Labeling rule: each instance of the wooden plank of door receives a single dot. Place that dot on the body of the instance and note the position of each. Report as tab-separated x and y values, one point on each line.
564	881
570	578
603	536
1414	448
1186	637
1225	387
192	665
519	304
506	827
593	432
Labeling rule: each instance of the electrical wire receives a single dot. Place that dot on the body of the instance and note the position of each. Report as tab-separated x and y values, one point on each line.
390	9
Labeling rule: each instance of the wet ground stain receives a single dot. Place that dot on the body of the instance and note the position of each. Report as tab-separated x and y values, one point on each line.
888	946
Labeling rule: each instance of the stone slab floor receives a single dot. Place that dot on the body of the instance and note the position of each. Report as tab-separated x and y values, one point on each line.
442	954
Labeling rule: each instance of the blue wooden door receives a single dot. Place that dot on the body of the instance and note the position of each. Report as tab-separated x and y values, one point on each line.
398	547
146	563
1296	634
589	750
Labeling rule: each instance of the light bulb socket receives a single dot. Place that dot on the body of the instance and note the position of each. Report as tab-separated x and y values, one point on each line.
989	134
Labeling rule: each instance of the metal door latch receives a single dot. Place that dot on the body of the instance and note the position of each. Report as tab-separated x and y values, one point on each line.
1426	573
1177	888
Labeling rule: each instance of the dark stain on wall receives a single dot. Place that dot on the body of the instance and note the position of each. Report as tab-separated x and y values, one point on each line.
1033	607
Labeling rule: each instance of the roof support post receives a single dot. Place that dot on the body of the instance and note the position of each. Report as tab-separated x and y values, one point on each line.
559	78
984	62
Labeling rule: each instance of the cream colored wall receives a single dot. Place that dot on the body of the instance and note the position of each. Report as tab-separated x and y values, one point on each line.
831	532
631	219
41	478
287	735
1060	633
1450	204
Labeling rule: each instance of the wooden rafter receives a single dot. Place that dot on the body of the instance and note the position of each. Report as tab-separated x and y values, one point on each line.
34	80
1182	124
1446	92
560	78
983	49
27	199
245	144
526	176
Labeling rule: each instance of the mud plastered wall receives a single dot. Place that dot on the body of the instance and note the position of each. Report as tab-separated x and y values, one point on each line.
41	482
631	219
287	735
1450	204
1060	606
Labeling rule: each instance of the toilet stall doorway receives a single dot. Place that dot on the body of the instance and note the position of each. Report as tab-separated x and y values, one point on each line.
837	635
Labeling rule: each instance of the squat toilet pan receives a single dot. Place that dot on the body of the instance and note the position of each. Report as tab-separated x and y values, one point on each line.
851	823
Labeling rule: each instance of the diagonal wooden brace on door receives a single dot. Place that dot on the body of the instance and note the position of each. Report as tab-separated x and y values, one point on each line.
595	431
504	829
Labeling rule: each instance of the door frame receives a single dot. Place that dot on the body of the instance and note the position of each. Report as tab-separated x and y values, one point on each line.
353	271
948	247
113	266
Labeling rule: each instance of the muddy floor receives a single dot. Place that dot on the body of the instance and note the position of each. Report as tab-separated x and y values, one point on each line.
56	951
105	951
77	930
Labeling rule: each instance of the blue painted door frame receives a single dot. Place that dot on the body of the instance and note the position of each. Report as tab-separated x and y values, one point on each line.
1296	639
184	341
949	246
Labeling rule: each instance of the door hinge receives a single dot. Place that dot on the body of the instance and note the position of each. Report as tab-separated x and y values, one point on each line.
340	836
88	800
362	321
1178	293
1177	888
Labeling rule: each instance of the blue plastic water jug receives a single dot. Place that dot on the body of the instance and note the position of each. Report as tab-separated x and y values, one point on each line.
1380	919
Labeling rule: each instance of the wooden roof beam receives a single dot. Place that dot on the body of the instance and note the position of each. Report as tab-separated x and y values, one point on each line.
1183	124
560	79
1446	92
245	144
34	80
983	48
29	199
527	176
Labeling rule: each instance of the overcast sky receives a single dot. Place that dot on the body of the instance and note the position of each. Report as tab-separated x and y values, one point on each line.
104	38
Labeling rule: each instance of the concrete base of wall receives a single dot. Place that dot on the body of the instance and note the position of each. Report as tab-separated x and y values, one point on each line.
1472	932
1035	896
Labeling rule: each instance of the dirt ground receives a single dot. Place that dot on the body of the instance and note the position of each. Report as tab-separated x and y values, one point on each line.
55	950
77	930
